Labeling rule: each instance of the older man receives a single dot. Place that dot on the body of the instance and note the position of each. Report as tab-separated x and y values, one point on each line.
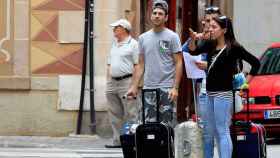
122	60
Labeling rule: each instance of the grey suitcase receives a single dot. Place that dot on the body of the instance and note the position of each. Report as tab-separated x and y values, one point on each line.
188	138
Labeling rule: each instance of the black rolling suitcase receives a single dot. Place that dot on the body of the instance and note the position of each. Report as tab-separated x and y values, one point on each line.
153	139
248	138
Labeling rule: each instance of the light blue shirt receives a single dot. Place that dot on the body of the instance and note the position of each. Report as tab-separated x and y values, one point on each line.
123	56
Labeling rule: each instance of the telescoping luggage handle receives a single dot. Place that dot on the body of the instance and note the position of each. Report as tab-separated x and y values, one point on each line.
157	102
195	99
247	104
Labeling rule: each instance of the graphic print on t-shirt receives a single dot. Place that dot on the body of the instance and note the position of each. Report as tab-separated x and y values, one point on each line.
163	46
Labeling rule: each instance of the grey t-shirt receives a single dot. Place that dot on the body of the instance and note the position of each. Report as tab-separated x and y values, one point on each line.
158	49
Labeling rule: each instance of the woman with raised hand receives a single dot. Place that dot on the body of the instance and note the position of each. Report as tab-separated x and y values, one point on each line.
224	52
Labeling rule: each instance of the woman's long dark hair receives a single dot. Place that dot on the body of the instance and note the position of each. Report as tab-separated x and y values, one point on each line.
230	40
226	23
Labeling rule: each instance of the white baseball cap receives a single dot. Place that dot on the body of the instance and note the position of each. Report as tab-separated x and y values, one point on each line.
123	23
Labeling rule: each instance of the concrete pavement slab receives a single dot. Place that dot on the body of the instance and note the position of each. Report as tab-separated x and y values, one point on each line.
72	141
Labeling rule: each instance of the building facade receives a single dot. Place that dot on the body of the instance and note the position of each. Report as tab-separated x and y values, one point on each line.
41	51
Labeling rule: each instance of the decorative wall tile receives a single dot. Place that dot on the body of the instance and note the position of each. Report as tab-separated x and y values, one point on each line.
60	5
47	55
75	33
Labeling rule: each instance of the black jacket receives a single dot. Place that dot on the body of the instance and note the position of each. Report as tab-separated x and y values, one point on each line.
221	74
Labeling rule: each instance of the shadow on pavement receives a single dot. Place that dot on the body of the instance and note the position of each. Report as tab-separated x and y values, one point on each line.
273	141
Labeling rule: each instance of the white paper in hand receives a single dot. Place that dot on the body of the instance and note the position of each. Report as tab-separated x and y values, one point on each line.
192	70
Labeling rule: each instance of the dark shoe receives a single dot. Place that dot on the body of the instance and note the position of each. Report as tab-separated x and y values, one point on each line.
112	146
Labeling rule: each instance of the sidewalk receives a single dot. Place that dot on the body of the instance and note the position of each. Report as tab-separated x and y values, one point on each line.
70	142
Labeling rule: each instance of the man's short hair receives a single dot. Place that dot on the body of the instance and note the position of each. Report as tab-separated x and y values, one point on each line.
161	4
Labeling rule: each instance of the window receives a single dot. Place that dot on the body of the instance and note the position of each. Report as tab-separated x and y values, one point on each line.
270	62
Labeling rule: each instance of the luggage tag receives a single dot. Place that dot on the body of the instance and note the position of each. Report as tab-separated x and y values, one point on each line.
187	148
241	137
151	136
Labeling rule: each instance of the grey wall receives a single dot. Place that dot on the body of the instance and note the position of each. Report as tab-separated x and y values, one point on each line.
256	23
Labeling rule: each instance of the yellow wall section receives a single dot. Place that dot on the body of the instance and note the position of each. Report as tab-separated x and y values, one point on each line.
39	58
36	26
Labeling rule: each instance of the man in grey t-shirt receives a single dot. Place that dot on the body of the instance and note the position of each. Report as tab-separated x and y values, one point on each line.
160	61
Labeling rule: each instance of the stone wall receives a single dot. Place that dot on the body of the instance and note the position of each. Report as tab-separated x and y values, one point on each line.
41	47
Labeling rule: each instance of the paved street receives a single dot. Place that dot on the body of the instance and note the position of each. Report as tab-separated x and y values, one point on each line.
273	148
59	153
56	147
76	147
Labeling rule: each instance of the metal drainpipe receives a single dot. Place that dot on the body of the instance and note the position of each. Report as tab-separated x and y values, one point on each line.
142	16
91	66
85	50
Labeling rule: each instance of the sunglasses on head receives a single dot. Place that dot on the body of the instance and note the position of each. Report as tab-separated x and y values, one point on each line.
224	19
212	9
